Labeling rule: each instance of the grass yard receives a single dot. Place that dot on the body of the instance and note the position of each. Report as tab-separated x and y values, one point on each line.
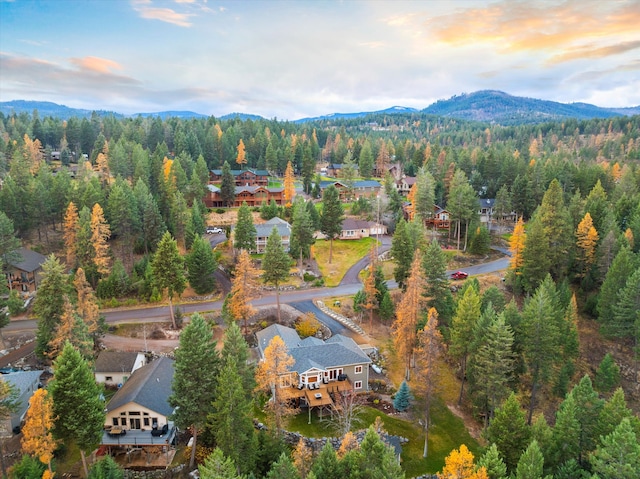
345	254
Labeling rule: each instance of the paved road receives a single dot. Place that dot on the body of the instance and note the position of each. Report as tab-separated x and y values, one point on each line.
328	321
304	297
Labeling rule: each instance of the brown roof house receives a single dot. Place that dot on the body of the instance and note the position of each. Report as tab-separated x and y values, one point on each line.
113	368
23	273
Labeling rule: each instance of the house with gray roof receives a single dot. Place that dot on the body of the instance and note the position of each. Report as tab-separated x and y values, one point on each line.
25	383
23	271
113	368
142	403
263	231
320	365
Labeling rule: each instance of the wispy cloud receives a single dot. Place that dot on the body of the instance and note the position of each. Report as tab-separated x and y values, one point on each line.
95	64
168	15
524	26
589	51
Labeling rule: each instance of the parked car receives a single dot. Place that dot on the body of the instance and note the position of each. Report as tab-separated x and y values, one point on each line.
459	275
213	230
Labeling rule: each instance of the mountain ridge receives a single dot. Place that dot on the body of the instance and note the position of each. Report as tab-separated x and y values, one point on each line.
490	106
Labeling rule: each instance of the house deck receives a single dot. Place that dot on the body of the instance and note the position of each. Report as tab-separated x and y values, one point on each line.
138	438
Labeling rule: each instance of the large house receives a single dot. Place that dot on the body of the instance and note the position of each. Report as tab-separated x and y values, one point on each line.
113	368
252	195
263	230
404	185
25	383
320	366
23	273
357	229
360	188
245	177
488	216
141	405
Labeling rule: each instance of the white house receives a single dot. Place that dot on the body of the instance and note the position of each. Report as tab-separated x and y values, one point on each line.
113	368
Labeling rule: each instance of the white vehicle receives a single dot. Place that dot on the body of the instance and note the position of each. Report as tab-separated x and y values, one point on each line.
213	230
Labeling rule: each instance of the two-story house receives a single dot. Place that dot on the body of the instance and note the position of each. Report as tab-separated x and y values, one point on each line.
263	230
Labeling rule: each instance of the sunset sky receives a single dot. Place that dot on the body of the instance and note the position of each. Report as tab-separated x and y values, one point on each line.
295	59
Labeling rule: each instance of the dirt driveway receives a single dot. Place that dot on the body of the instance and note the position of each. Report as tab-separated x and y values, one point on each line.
122	343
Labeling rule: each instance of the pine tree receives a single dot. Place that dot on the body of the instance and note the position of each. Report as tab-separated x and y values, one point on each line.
566	432
619	455
77	405
557	227
434	267
509	431
283	468
535	259
424	195
387	309
462	328
623	266
243	288
193	386
201	265
227	186
70	227
493	463
326	464
402	252
377	459
277	363
365	161
302	457
462	203
588	407
626	319
349	443
614	411
275	264
100	234
167	268
48	306
531	463
37	438
302	231
87	305
244	232
71	329
289	186
106	468
332	216
607	375
402	399
217	466
407	316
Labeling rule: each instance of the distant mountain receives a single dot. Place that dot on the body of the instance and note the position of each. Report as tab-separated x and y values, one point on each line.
47	108
171	114
347	116
241	116
499	107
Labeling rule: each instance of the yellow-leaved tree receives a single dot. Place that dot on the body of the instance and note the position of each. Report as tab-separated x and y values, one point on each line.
459	465
587	242
32	153
276	365
349	443
289	187
516	247
71	227
408	314
243	289
302	457
70	329
37	438
241	159
100	234
87	306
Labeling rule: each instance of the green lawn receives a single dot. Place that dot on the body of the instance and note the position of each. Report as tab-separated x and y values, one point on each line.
447	433
345	254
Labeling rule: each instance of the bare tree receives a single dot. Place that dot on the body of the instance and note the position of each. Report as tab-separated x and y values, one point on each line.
346	409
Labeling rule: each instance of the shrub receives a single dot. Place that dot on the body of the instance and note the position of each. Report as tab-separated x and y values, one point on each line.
220	211
307	325
15	303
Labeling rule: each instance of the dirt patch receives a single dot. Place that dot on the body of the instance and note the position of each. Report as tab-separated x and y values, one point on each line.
469	422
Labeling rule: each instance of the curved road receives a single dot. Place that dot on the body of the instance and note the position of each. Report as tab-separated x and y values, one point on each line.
300	299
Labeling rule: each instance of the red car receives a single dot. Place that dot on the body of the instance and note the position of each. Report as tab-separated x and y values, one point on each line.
459	275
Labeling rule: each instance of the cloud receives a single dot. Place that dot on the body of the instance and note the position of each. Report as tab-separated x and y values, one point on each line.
524	26
588	51
168	15
95	64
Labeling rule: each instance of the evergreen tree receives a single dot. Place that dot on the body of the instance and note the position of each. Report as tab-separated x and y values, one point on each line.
302	231
387	309
588	407
535	259
168	270
332	216
566	433
376	459
201	264
626	319
614	411
619	455
607	375
106	468
270	210
194	384
48	306
326	464
509	431
493	463
531	463
402	399
557	227
244	232
623	266
365	161
195	225
283	468
434	267
77	404
402	252
275	263
227	186
217	466
314	216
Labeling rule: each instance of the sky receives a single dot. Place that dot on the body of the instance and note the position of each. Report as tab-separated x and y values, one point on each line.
296	59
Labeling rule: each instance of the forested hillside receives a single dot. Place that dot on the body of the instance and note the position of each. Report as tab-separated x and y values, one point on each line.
106	193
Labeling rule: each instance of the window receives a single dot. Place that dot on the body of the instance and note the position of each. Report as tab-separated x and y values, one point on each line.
146	421
358	370
357	385
115	421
